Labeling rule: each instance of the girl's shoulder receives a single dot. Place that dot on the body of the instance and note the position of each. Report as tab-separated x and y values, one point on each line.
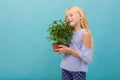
83	30
86	39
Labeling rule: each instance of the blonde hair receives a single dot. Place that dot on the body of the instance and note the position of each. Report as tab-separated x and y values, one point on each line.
83	20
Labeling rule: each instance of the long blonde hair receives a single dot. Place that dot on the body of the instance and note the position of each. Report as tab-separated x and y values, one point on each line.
83	21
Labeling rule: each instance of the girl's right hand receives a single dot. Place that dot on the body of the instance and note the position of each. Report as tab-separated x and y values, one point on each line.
62	49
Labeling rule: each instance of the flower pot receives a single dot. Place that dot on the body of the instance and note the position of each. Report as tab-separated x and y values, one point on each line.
55	46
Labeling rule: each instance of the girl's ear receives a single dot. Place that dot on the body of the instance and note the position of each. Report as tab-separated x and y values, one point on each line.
80	17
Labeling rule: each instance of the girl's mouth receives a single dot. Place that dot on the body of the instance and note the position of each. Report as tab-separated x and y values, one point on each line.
69	22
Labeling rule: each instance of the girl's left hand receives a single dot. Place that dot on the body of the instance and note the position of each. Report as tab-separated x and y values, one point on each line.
62	49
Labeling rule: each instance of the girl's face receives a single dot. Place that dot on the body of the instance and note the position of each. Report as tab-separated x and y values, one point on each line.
72	18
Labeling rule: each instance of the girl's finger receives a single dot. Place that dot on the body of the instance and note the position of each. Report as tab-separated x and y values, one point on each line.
58	52
60	46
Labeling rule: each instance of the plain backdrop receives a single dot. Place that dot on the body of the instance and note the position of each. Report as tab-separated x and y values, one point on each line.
26	54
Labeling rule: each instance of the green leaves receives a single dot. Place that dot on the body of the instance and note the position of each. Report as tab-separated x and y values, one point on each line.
60	32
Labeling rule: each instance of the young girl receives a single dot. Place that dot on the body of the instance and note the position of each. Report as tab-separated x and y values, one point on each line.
79	53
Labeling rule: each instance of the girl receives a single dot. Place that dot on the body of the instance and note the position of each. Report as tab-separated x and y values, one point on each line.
79	53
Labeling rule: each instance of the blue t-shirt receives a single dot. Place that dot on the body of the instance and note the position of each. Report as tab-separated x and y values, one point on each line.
72	63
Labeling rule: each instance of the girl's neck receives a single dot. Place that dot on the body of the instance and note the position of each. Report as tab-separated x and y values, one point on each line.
77	28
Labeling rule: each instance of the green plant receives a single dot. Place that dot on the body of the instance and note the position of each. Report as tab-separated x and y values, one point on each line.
60	32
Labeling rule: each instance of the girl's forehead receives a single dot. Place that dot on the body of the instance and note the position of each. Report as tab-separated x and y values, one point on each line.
69	12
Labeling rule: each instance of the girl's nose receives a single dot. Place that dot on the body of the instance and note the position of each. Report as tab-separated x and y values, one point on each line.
68	19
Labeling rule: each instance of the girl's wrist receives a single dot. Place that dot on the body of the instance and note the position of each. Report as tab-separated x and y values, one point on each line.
73	52
70	50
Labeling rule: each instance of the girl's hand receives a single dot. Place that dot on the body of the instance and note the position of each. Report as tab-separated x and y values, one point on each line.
62	49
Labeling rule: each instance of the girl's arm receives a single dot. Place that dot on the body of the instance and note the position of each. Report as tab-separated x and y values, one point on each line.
86	41
64	49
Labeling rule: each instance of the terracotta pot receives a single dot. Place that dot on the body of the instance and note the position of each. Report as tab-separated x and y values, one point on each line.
55	46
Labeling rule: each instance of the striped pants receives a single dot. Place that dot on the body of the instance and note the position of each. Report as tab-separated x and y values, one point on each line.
70	75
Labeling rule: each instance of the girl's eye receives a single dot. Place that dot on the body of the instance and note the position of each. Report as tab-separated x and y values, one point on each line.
71	15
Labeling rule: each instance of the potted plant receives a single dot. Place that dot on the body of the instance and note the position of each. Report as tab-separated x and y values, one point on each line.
60	33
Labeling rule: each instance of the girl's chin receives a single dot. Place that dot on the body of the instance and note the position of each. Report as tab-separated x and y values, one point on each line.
72	25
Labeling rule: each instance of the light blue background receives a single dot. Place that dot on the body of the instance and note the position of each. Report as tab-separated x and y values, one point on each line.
26	54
